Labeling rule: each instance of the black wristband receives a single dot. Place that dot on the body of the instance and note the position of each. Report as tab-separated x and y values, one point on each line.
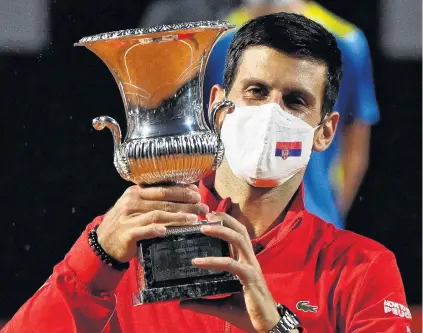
104	257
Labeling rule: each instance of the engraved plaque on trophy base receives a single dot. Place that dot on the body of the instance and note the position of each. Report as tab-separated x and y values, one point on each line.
169	273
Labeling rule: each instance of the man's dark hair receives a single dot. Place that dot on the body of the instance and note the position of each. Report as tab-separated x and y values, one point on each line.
294	35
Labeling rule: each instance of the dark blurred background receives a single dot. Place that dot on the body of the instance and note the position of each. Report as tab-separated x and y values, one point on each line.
57	172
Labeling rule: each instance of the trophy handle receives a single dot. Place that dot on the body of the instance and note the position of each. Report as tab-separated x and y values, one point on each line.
100	123
215	113
119	160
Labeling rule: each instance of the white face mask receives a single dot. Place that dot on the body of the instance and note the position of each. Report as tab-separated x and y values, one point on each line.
265	145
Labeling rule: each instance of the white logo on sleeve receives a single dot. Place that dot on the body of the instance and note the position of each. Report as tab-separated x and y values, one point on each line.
397	309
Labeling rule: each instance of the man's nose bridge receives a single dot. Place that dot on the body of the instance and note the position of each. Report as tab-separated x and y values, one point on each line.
276	97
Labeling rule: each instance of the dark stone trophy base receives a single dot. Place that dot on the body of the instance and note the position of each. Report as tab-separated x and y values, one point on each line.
168	273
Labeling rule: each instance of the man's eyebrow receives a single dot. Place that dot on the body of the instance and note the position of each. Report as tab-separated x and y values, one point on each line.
250	81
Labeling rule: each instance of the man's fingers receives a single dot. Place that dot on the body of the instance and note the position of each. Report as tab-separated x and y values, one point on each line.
245	273
199	208
161	217
229	222
153	224
170	193
241	244
147	232
144	206
141	199
193	187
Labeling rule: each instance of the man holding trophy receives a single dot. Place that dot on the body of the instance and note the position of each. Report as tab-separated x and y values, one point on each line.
255	260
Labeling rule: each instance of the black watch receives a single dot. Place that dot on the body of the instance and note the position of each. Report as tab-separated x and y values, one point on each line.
288	321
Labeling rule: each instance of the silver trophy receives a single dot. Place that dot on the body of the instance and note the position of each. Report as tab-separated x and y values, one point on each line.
160	73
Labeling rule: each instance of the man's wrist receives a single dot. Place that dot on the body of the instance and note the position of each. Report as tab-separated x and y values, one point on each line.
88	267
288	322
274	318
103	255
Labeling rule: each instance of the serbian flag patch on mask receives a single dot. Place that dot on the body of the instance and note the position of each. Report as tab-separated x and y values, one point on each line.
288	149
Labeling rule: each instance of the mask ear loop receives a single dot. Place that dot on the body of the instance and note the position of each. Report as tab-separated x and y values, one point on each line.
320	124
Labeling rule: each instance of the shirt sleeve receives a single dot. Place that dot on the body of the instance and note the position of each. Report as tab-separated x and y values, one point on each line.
362	103
381	303
77	297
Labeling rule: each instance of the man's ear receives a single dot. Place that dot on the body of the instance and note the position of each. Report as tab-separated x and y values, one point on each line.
326	132
217	95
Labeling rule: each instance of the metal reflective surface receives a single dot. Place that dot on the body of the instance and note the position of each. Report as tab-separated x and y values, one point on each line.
160	72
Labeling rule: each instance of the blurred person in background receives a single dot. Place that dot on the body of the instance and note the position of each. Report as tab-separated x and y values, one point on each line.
177	11
333	177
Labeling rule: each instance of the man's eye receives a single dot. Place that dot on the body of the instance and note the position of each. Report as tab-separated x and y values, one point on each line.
257	91
294	101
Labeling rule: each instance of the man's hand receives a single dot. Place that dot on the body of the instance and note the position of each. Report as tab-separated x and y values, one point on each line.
143	213
253	310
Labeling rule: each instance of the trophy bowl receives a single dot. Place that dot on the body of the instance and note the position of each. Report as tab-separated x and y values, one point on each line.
160	74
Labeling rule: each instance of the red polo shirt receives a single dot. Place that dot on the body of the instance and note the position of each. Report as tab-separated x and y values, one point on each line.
334	280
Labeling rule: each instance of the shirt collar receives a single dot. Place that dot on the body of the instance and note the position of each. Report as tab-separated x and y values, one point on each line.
292	219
